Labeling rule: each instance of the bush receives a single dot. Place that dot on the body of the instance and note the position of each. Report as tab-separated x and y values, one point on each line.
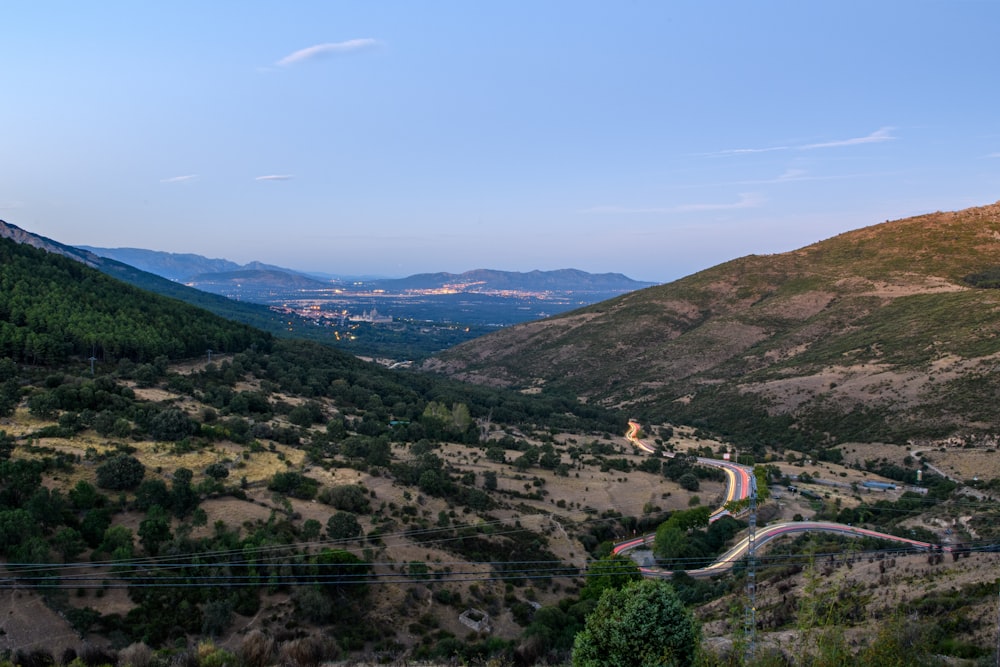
307	652
172	424
342	526
256	650
346	497
136	655
122	473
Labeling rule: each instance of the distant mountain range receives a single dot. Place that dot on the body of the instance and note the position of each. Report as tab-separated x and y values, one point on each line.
561	280
180	267
219	275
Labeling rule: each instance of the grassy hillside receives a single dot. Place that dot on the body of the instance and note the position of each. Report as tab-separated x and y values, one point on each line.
878	333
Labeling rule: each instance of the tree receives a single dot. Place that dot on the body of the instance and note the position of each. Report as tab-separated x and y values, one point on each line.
154	530
68	542
217	471
612	572
172	424
311	528
644	623
342	526
6	443
121	473
689	482
183	499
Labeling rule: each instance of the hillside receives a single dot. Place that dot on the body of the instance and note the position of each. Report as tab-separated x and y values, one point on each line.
53	308
287	503
879	333
281	324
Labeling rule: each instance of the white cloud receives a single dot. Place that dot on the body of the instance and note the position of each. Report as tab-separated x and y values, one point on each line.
993	155
179	179
744	151
791	175
747	200
876	137
319	50
275	177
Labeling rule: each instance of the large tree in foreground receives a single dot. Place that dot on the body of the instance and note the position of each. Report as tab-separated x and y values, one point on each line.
643	624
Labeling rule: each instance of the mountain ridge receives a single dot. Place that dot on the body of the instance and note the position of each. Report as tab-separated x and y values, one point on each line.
878	324
193	268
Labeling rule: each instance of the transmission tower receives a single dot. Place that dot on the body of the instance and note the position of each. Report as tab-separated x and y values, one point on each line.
750	615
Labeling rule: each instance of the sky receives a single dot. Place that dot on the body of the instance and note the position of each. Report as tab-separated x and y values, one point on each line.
651	138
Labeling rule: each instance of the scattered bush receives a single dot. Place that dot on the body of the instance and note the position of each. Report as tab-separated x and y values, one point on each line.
122	473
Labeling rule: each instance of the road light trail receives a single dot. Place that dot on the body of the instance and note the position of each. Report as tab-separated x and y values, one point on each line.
737	488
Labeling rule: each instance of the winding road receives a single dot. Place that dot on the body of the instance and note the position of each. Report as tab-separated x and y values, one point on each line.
737	488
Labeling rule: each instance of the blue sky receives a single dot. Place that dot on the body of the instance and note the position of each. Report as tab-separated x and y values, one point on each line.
649	138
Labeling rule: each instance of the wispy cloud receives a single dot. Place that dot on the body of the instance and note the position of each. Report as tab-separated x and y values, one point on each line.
791	175
275	177
878	136
321	50
746	200
993	155
744	151
179	179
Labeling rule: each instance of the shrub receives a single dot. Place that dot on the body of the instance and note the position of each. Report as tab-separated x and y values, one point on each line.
136	655
256	650
122	473
307	651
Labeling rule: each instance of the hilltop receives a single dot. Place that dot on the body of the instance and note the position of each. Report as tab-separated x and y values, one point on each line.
887	332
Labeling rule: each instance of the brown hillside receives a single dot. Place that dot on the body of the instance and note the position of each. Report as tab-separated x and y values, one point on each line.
883	319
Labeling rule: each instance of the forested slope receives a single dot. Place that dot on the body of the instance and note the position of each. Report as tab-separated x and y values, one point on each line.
52	308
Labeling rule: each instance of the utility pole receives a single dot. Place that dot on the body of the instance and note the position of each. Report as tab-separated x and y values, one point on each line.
750	615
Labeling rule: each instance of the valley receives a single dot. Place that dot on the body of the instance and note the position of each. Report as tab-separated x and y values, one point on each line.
269	495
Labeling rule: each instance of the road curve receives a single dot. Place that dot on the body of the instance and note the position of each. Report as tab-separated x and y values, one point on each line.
727	560
737	476
737	488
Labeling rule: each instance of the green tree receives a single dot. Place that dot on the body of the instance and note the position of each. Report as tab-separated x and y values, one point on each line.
611	572
172	424
68	542
154	530
183	499
121	473
311	529
6	443
642	624
342	526
689	482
